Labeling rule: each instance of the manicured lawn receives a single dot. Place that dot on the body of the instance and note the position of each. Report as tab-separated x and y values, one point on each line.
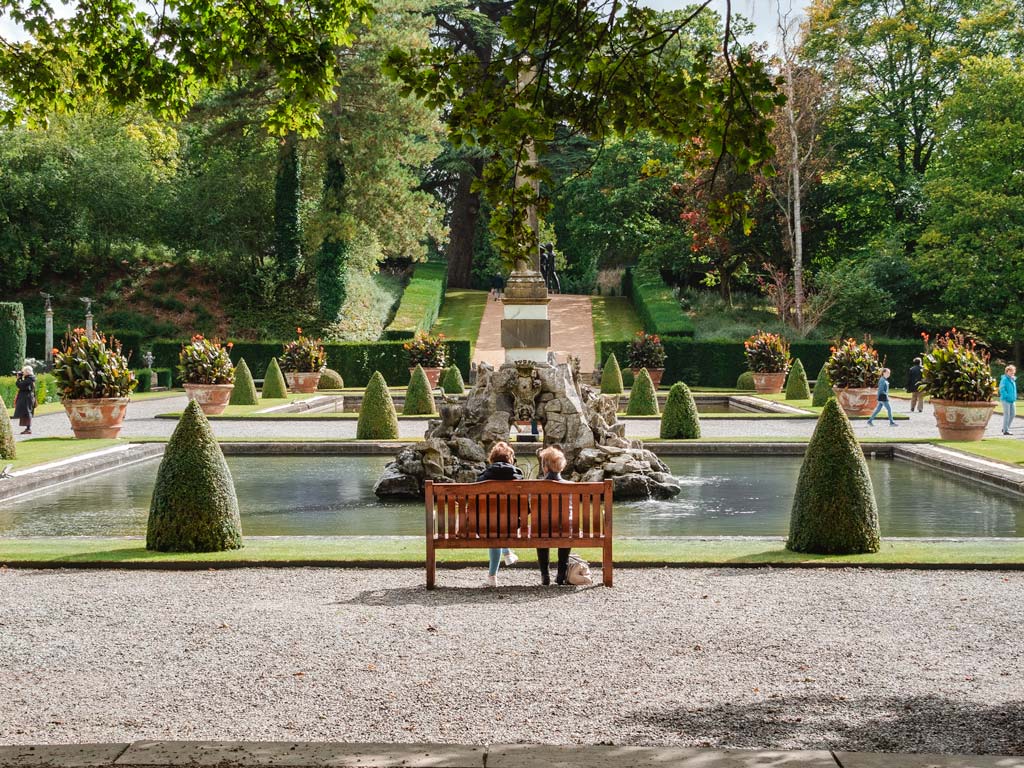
236	411
461	314
40	450
1008	449
340	550
614	318
42	410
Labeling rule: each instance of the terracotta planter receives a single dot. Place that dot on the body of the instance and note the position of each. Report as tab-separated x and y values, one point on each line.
97	418
769	383
212	398
856	401
958	420
303	382
655	373
433	375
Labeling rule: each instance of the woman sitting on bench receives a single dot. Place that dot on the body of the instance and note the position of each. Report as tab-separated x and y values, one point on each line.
552	462
501	466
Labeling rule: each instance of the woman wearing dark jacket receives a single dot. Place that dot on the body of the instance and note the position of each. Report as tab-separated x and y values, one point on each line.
25	400
500	466
552	462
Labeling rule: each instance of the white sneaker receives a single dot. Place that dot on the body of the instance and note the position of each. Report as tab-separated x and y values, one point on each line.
511	558
491	581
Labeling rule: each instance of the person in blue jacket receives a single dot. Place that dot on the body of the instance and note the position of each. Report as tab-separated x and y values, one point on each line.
883	399
1008	396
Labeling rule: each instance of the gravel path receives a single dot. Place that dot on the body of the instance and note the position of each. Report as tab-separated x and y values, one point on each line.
852	659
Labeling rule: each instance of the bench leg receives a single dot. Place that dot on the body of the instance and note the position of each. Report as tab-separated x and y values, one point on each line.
606	564
431	566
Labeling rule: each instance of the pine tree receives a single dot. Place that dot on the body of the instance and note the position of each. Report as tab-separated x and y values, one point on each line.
834	511
419	400
377	417
194	507
274	385
796	383
643	400
7	449
822	388
680	420
611	377
244	392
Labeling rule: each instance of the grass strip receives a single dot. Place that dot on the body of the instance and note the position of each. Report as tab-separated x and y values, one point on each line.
461	314
42	450
49	408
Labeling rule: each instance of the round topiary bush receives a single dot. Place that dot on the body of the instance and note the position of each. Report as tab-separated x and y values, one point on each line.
451	381
7	449
746	381
834	511
643	400
822	388
611	377
680	420
194	507
12	336
419	400
377	417
274	385
796	384
330	379
244	392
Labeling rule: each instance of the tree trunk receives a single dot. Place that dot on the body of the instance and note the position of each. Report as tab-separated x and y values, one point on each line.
465	214
797	224
287	239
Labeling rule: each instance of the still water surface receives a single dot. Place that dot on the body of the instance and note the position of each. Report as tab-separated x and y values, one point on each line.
333	496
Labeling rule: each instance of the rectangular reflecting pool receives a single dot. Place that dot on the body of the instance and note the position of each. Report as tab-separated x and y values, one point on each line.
333	496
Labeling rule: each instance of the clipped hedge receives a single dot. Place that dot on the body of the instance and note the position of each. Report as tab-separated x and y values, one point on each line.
451	381
132	344
643	400
12	336
274	385
421	301
419	398
822	388
47	390
680	420
746	381
658	306
611	377
355	361
244	392
796	382
377	417
7	447
330	379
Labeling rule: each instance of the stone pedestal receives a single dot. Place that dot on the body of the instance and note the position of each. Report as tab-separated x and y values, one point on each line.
525	328
48	344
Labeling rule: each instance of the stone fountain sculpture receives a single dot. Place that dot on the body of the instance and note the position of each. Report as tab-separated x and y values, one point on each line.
576	417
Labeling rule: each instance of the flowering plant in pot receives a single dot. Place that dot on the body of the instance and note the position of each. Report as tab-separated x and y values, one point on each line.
430	352
207	373
95	383
768	359
854	370
647	351
958	378
302	361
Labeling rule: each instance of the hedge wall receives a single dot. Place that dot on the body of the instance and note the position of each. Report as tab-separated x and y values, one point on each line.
421	302
719	363
658	306
355	361
12	336
131	343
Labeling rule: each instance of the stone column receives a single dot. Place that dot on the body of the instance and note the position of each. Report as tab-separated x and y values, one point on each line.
49	336
88	323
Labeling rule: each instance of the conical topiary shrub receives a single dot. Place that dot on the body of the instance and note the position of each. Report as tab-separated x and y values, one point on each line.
611	377
834	511
796	384
244	392
377	417
419	400
680	420
451	381
643	401
822	388
194	507
7	449
330	379
746	381
274	385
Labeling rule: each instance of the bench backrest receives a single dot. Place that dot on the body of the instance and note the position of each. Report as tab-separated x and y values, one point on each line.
527	509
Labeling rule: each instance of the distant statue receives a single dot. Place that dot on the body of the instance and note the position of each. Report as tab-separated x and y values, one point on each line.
547	267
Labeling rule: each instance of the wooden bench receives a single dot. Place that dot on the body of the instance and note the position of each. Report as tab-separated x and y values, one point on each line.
519	513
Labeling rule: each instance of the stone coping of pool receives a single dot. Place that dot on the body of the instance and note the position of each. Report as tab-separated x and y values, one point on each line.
250	754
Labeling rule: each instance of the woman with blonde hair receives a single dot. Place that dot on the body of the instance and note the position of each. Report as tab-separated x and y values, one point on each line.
25	400
501	466
552	462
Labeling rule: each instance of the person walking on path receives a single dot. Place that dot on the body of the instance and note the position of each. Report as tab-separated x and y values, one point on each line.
497	286
1008	396
501	466
552	462
25	400
883	399
914	379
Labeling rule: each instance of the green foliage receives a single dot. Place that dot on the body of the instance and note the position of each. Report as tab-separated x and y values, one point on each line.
194	507
680	420
796	383
330	379
274	385
643	400
745	381
614	318
834	511
611	377
451	381
419	399
333	256
767	353
421	302
92	368
7	448
646	351
377	417
658	306
304	355
854	365
202	361
461	314
427	350
822	387
287	197
955	369
12	336
244	392
369	304
861	294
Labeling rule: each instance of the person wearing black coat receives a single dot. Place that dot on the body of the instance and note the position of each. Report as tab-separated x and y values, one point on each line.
25	400
552	462
914	378
501	466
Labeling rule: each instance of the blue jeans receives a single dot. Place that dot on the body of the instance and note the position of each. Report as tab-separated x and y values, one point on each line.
882	404
494	560
1009	411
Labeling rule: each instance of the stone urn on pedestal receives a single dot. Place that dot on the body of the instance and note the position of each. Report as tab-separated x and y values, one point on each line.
302	362
207	374
96	383
767	356
958	377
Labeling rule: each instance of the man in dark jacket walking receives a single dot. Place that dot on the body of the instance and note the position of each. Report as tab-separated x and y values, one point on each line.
914	376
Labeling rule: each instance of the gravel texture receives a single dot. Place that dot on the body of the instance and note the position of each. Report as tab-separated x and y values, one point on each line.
914	661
